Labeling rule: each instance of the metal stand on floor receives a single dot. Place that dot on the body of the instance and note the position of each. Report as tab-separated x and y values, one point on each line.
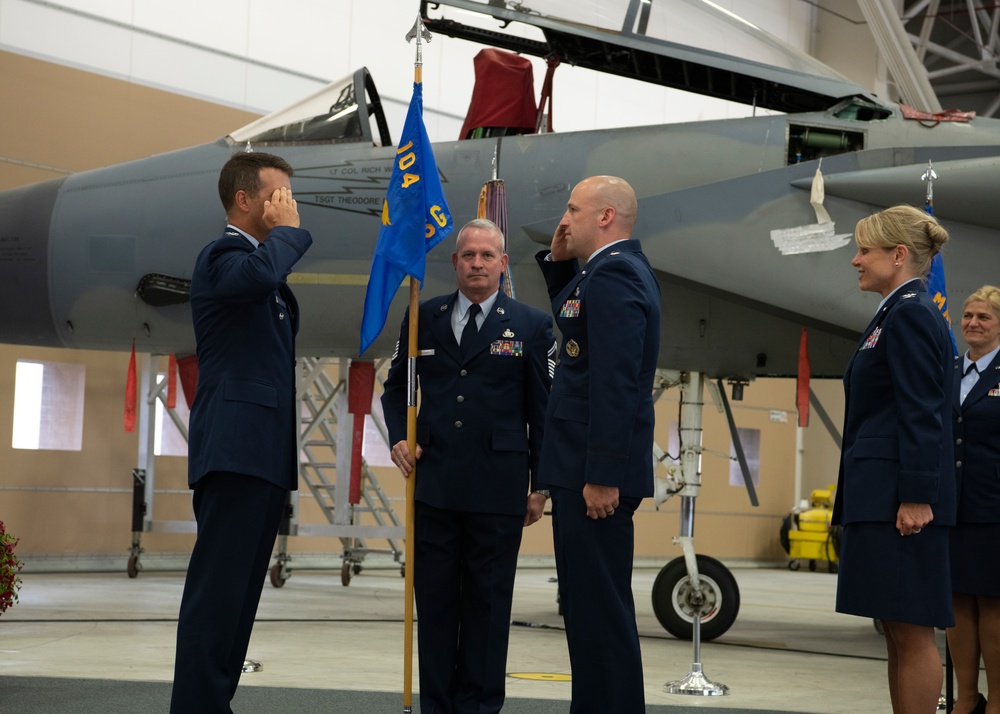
696	682
690	426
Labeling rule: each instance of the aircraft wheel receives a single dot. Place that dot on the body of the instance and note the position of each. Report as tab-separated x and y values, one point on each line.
676	603
357	569
402	570
794	565
812	566
832	567
345	573
278	577
133	565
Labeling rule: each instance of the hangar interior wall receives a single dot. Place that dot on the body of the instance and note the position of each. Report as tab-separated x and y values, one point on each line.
76	505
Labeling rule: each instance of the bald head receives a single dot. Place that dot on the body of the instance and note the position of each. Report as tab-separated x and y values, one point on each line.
616	193
600	210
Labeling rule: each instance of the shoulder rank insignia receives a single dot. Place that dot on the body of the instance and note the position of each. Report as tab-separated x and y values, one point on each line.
572	349
908	295
617	252
507	333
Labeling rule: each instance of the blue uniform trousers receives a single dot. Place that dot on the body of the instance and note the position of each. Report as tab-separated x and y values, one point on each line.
463	572
238	518
594	563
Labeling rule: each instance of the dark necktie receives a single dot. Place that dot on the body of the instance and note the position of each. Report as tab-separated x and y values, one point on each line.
971	368
471	328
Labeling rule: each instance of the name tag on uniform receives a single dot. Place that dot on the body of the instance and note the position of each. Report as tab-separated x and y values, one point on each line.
507	348
872	339
570	308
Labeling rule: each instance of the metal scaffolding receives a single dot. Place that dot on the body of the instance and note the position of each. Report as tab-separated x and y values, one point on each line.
325	427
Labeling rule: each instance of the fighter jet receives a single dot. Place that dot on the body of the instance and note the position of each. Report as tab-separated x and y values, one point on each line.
728	213
88	262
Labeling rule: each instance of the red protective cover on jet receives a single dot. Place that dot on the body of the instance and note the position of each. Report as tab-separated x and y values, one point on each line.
504	94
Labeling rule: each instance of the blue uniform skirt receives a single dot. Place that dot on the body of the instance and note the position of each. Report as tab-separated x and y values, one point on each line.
974	549
886	576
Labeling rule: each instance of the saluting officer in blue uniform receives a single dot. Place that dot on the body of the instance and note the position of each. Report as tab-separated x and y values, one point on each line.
242	455
975	539
597	453
896	490
484	373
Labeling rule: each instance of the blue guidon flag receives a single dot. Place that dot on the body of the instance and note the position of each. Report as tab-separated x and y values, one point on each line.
415	218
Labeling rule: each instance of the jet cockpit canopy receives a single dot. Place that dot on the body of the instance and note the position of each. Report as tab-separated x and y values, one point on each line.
339	113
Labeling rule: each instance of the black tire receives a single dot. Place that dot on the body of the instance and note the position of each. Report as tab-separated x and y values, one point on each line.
675	602
786	525
345	573
794	565
277	581
133	566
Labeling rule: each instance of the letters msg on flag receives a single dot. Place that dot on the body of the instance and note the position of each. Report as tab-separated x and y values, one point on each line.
415	218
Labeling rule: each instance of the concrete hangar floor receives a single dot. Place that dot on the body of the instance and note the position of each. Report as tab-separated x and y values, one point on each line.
83	642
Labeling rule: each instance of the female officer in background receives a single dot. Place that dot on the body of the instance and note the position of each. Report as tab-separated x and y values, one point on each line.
896	490
975	540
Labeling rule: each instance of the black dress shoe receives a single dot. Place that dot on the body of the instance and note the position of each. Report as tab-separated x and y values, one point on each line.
980	707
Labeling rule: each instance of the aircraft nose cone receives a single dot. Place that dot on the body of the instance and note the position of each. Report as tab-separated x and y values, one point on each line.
25	311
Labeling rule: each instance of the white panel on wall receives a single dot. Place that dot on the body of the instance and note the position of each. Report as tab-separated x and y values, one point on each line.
117	10
64	37
216	24
202	74
308	36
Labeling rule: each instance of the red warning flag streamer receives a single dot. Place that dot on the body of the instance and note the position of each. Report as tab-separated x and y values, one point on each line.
188	369
360	387
802	387
130	394
172	383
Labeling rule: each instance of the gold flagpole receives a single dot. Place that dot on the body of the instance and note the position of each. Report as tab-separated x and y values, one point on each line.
421	34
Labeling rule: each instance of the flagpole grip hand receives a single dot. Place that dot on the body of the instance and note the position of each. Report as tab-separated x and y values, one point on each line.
402	458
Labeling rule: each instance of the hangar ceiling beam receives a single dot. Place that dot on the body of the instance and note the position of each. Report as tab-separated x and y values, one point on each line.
894	45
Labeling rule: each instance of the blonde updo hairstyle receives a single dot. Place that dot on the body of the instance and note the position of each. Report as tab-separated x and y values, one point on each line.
988	294
904	225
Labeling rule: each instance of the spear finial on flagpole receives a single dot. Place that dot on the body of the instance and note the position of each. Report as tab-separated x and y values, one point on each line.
422	34
929	176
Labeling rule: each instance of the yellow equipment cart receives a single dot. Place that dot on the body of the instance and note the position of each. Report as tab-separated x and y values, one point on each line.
811	536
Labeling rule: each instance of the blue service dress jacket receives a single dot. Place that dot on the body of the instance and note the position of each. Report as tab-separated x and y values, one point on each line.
897	441
245	321
976	422
600	425
482	414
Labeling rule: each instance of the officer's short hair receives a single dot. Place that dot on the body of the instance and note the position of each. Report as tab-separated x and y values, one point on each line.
242	173
483	224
